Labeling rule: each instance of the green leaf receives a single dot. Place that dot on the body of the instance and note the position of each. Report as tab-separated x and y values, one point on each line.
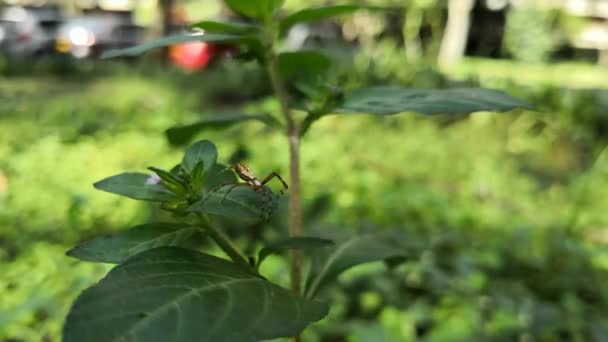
328	263
180	135
171	181
118	247
385	100
226	27
320	13
178	39
273	5
241	202
303	65
198	177
259	9
204	151
293	243
179	295
135	185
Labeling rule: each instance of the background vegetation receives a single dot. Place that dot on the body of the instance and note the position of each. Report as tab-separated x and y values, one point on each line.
505	213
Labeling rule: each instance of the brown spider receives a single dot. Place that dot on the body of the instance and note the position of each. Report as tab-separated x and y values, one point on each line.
251	180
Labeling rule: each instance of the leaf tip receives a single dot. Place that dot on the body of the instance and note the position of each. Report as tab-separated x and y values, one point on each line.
110	54
98	185
174	137
72	252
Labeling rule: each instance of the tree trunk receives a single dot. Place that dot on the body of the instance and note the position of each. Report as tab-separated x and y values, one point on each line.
456	32
166	11
603	57
411	32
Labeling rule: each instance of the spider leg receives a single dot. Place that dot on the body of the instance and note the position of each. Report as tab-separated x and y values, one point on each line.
232	188
266	195
215	189
273	175
225	169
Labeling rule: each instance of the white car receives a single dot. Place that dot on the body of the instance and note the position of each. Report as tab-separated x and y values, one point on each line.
90	34
28	31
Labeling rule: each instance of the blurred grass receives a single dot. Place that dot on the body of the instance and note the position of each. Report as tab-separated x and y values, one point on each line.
564	74
488	176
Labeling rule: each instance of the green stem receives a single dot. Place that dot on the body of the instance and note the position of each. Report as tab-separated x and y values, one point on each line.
293	136
225	244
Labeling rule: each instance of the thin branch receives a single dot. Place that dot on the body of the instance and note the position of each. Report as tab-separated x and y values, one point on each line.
293	136
225	244
281	92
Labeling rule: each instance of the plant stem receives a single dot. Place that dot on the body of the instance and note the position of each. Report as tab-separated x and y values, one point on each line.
293	136
295	212
225	244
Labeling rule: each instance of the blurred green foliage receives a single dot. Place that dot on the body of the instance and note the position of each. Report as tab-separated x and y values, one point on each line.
500	73
505	213
529	34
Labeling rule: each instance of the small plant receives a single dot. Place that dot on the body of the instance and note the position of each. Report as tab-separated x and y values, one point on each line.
163	288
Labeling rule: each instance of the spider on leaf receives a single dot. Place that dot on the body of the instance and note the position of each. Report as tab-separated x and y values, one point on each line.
251	180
